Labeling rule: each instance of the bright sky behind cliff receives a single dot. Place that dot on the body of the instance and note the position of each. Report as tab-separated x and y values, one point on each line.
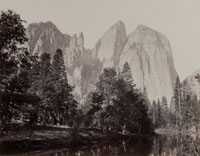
179	20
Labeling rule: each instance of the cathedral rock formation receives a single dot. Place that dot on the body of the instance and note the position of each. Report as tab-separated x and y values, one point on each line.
147	51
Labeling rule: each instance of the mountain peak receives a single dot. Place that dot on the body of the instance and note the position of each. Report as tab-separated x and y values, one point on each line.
191	85
119	26
81	35
144	34
119	23
80	40
145	29
43	25
110	45
45	37
149	53
48	23
141	27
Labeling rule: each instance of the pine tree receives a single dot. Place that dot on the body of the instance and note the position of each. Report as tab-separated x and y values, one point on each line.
18	103
165	111
177	101
42	86
12	45
94	101
126	74
106	88
64	105
154	111
59	65
122	107
12	40
187	112
106	85
159	119
12	32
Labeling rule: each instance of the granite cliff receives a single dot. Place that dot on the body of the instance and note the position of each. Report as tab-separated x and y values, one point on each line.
147	51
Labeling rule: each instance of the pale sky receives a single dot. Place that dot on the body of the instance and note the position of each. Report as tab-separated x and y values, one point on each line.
179	20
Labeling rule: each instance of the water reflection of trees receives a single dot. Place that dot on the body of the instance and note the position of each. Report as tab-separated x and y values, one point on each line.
186	145
135	146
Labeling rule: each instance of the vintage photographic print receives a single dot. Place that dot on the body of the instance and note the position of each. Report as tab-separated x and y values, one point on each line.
99	78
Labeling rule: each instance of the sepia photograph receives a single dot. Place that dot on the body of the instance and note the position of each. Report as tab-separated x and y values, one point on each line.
99	78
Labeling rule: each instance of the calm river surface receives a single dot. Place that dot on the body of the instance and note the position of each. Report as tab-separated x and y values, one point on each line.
152	146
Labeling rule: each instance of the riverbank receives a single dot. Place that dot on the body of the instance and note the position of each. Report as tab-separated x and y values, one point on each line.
173	131
42	138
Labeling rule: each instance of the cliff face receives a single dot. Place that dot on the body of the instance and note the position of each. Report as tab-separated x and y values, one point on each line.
109	47
147	52
150	58
81	67
45	37
191	85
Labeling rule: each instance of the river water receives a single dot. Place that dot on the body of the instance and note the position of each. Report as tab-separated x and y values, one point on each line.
162	145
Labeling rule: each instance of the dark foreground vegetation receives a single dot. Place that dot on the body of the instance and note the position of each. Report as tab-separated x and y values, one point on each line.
35	90
40	138
183	113
135	145
37	102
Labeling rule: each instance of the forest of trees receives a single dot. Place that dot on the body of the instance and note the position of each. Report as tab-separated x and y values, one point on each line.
117	105
183	113
34	90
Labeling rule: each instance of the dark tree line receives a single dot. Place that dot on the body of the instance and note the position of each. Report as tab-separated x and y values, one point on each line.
12	52
160	113
116	105
32	89
35	90
183	112
186	108
39	93
189	109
